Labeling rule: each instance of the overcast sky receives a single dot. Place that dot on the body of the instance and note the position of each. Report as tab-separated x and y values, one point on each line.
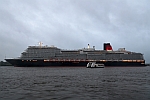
72	24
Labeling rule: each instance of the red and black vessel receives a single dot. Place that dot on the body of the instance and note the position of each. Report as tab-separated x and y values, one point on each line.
41	56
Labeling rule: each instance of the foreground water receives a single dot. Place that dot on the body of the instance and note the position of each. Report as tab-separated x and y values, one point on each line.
45	83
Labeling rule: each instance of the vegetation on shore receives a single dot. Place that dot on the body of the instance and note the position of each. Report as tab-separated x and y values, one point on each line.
147	64
2	63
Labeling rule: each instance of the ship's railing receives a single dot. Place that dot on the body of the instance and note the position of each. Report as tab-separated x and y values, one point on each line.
87	60
42	46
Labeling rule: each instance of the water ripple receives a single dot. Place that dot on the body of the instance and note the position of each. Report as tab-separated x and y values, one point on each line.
75	83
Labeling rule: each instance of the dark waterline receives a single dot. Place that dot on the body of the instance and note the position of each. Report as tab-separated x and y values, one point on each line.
45	83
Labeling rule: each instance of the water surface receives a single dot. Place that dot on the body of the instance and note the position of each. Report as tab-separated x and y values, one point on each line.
46	83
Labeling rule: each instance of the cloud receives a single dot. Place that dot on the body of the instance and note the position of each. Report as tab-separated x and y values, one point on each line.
72	24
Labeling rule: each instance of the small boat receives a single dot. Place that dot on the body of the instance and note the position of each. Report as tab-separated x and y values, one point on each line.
95	65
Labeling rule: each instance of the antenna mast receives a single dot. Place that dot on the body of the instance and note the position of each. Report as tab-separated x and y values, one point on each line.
40	44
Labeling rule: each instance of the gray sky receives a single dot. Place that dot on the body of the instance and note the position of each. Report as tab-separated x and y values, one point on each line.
72	24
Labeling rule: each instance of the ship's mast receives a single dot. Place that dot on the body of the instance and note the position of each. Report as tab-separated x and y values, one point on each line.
40	44
88	46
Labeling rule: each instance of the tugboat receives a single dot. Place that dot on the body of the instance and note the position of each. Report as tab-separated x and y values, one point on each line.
95	65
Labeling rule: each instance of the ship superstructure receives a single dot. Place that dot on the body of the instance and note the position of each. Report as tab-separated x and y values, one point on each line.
53	56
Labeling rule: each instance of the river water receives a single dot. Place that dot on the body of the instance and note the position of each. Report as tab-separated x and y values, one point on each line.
46	83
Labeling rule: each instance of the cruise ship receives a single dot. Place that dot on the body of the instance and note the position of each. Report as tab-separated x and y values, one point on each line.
51	56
